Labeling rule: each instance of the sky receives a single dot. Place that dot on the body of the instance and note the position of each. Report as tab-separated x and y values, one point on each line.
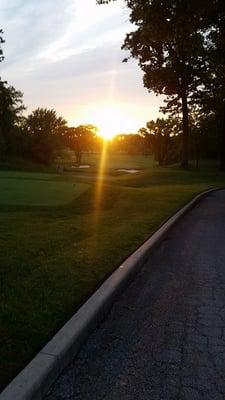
67	55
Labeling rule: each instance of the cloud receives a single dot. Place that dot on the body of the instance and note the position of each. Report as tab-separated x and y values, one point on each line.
29	28
67	55
89	62
44	31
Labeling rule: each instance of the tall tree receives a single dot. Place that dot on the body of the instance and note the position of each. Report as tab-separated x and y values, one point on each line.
81	139
163	137
218	38
213	96
11	108
47	132
168	44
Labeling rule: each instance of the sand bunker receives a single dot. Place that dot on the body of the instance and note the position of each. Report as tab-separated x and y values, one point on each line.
80	166
129	170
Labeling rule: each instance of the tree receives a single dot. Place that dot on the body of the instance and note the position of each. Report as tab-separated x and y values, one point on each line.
204	138
218	62
147	141
163	136
81	139
168	44
1	42
127	143
11	108
213	95
46	132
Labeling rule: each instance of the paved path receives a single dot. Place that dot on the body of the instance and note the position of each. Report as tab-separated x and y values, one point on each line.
165	337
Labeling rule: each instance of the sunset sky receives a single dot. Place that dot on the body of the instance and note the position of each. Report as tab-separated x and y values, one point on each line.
67	55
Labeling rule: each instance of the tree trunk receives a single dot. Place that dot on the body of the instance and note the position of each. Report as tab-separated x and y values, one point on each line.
185	133
222	142
78	157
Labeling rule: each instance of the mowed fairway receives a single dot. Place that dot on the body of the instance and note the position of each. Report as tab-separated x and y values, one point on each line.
61	235
34	189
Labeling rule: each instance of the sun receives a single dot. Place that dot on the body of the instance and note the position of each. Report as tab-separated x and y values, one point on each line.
111	120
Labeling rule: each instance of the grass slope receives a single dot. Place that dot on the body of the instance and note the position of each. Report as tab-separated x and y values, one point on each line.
52	257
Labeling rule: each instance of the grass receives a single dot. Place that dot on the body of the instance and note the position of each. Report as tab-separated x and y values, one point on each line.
36	189
55	250
120	161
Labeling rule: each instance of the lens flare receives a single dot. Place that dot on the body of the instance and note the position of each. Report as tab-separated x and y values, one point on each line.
100	178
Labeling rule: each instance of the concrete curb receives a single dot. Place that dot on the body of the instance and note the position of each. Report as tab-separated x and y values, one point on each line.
37	377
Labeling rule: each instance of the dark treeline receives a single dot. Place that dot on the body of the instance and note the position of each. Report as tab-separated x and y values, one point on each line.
180	47
163	140
43	136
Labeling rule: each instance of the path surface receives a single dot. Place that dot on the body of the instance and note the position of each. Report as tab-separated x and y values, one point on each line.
165	337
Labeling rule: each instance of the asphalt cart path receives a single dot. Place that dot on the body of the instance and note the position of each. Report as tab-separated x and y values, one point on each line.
165	336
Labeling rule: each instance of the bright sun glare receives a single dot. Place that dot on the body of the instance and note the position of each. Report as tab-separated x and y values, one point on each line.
111	120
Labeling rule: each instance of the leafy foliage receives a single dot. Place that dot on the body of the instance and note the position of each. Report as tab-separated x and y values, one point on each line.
213	96
1	42
129	144
163	137
168	44
81	139
45	132
11	108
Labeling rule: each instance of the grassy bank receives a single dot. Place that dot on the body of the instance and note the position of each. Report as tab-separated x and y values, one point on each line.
61	235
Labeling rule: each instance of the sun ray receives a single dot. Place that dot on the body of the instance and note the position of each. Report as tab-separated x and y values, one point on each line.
100	181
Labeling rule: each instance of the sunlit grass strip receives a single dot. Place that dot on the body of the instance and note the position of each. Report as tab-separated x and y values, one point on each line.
99	185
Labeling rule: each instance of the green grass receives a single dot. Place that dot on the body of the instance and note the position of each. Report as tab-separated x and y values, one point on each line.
120	161
53	256
35	189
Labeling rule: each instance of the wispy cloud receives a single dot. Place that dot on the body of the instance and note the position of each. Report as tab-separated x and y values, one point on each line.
66	54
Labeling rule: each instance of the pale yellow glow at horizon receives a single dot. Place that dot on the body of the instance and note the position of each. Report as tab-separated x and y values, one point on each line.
112	120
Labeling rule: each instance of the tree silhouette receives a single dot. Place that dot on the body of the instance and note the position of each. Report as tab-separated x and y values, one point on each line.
81	139
46	132
168	44
162	136
213	95
1	42
11	108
